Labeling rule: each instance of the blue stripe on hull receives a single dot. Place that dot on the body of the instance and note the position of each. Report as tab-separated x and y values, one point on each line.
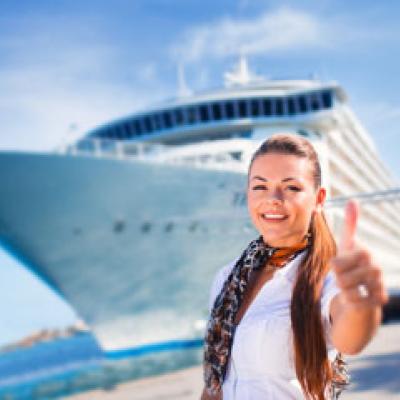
154	348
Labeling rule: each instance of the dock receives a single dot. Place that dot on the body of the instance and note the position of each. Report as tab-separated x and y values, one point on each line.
375	375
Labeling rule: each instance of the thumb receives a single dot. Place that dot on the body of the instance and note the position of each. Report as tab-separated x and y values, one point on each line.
351	213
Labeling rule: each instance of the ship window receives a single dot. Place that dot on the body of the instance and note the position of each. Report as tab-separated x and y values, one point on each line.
178	116
147	124
314	101
302	132
255	107
242	108
167	119
118	132
291	106
327	99
191	115
137	127
169	226
302	104
145	227
142	124
229	110
279	106
114	133
267	107
108	134
216	109
125	131
236	155
128	131
157	121
204	116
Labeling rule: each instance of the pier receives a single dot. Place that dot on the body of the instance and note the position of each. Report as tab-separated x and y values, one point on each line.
375	375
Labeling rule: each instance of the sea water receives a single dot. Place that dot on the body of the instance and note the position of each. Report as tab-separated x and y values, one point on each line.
66	366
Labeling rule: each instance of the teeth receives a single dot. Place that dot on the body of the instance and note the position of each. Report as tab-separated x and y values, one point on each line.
273	216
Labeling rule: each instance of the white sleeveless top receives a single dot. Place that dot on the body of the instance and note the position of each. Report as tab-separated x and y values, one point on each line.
261	365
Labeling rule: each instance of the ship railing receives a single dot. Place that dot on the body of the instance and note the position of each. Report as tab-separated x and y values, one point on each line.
152	152
392	194
109	148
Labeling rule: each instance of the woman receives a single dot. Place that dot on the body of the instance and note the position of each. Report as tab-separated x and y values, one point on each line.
283	312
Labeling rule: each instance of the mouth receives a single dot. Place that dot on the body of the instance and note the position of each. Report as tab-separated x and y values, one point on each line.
272	217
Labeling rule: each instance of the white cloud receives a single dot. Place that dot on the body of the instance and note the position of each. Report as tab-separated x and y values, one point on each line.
282	29
53	91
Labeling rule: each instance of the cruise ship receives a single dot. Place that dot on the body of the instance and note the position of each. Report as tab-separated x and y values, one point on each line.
130	223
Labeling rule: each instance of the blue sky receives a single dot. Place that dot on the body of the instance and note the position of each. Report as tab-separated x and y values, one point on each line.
67	66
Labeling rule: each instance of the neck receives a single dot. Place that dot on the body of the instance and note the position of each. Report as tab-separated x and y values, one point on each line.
300	241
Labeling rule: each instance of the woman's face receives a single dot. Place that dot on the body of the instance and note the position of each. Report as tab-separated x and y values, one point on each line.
281	198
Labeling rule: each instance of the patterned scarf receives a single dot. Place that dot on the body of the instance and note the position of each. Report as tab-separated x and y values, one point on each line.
221	327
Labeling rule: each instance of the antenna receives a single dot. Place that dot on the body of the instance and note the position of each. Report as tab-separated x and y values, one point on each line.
183	89
241	74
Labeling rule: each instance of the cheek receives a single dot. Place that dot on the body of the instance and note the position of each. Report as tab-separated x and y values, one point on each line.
253	202
303	209
253	207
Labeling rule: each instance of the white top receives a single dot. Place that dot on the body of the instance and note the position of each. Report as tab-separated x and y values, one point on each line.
261	365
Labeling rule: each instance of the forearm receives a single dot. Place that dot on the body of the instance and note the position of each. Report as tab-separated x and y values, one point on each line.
354	326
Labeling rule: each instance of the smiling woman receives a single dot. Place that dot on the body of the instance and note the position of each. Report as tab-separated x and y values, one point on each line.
279	317
281	197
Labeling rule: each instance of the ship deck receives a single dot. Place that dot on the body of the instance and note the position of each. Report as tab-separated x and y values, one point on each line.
374	376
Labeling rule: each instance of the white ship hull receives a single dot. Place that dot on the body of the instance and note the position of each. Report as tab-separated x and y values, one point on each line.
132	246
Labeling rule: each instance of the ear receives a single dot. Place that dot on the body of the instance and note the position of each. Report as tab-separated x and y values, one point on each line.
320	199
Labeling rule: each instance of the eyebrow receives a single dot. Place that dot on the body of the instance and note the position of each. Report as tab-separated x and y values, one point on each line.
266	180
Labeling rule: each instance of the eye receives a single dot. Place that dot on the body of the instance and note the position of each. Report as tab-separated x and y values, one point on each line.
259	187
294	188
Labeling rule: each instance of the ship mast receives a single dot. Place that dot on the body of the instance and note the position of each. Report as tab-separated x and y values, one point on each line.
241	75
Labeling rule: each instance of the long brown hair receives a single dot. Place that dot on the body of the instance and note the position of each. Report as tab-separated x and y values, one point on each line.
312	365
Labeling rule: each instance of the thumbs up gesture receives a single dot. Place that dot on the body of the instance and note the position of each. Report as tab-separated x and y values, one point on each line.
358	277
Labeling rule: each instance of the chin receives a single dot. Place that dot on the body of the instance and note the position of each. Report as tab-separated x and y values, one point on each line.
273	240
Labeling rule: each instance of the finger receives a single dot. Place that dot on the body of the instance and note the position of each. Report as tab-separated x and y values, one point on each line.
372	281
351	278
377	287
363	273
355	297
349	225
379	293
374	276
350	260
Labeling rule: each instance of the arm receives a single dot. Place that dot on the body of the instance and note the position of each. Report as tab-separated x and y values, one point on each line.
352	327
355	314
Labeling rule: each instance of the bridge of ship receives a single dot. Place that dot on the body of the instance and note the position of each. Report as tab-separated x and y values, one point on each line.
214	118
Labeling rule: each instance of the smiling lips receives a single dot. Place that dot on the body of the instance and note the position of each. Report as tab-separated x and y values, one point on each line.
273	217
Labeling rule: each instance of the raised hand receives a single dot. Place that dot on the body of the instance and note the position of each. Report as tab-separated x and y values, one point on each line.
358	277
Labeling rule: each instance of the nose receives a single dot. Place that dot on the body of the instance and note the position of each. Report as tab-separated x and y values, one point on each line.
274	196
